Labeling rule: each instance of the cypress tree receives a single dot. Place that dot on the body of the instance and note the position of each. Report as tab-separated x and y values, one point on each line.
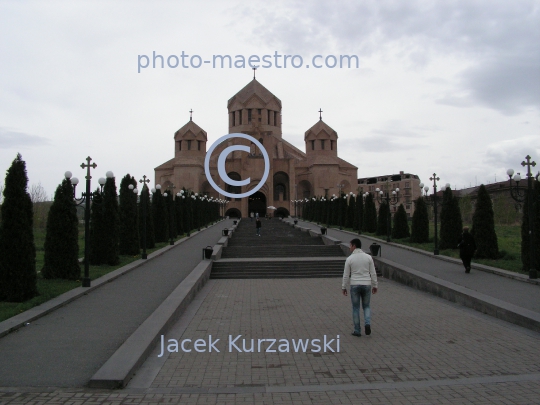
359	214
382	225
351	210
451	223
483	227
178	206
111	219
171	214
420	222
401	225
129	231
145	214
61	246
525	259
326	212
97	230
159	213
188	214
370	215
17	250
342	207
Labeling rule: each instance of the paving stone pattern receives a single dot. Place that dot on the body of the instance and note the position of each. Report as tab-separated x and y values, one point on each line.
416	337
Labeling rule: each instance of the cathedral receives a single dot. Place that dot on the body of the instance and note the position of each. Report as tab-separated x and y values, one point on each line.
294	174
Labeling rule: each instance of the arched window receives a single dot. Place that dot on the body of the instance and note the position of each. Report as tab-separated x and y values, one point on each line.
279	189
281	186
234	189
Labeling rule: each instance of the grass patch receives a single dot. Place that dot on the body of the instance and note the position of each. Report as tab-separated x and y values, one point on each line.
508	237
49	289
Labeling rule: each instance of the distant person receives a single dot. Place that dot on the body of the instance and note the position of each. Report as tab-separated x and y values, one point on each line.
258	226
256	215
466	246
251	216
360	273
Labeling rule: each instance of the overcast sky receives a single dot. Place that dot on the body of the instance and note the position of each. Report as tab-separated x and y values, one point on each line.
445	87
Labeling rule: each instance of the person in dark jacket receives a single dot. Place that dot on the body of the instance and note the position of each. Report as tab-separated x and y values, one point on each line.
258	226
466	246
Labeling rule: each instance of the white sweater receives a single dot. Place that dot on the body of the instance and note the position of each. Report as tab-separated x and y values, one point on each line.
359	270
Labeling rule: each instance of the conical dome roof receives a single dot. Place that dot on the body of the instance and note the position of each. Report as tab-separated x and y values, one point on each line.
320	126
253	87
191	127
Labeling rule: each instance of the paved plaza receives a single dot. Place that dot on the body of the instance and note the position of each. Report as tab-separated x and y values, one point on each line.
423	350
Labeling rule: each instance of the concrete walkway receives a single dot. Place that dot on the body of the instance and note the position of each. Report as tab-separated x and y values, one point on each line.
515	292
66	347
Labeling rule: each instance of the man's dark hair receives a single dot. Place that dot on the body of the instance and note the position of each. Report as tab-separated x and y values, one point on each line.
356	242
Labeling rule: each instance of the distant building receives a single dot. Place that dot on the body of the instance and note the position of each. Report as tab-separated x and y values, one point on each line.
408	184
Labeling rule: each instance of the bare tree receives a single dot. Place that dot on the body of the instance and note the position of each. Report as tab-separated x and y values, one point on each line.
41	204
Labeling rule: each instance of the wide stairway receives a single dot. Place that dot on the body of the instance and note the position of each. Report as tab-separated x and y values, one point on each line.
280	252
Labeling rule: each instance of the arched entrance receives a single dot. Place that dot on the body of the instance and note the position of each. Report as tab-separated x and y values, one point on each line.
233	213
281	212
257	203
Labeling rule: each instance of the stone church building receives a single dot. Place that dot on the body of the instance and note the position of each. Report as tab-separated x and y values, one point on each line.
294	174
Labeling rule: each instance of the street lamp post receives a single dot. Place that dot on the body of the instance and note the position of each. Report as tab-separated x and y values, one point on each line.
86	197
520	195
390	199
144	181
433	202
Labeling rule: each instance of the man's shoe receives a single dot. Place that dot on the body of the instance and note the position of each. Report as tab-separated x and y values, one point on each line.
356	334
368	329
468	270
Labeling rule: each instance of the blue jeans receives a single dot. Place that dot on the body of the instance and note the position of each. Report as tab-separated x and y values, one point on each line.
258	231
360	292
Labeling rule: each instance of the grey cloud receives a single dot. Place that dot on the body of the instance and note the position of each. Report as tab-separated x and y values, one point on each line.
12	139
507	85
500	38
377	144
510	154
455	101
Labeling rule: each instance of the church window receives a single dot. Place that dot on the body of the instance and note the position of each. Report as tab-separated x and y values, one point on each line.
331	145
179	145
259	111
240	117
234	189
279	189
312	145
189	144
275	118
199	145
268	111
249	116
322	144
234	118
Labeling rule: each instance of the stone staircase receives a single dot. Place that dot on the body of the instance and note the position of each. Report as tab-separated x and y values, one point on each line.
280	252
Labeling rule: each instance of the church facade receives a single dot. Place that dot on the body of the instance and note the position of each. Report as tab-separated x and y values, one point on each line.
294	174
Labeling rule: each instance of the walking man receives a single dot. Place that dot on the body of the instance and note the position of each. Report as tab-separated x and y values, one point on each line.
466	246
360	273
258	226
